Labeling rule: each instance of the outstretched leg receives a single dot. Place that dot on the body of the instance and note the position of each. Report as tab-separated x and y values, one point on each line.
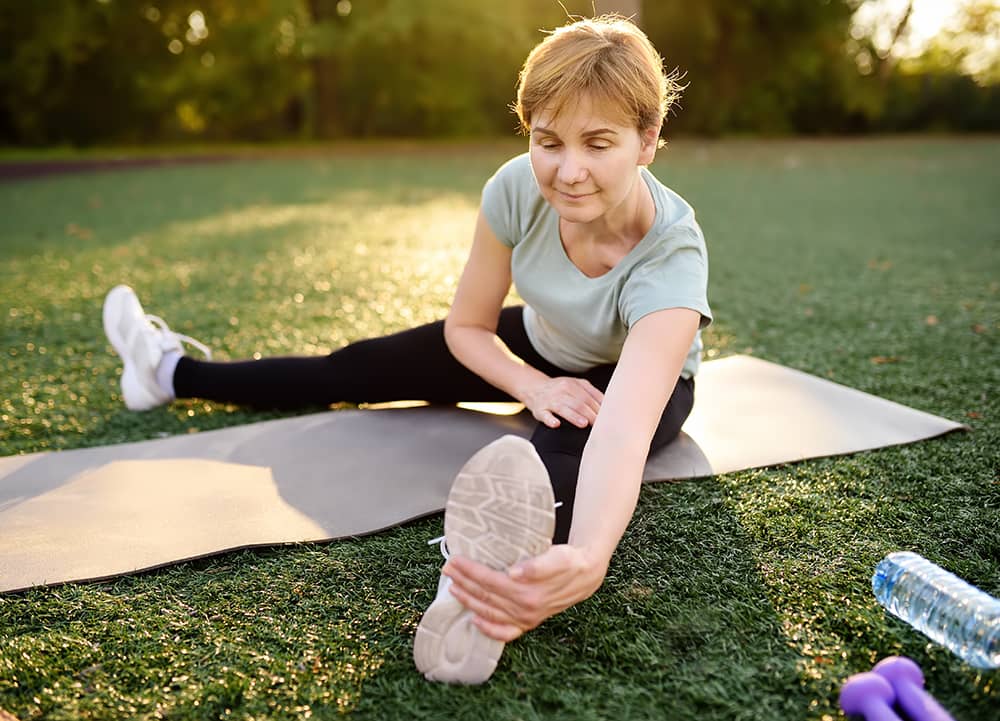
414	364
411	365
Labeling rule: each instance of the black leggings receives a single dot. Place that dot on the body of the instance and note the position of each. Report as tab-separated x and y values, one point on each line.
415	365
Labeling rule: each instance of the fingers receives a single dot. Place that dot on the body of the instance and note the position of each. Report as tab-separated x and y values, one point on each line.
551	565
481	582
495	616
592	391
497	612
506	604
587	404
500	631
493	595
548	418
574	399
483	605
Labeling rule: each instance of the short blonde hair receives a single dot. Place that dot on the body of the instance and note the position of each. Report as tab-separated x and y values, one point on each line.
606	58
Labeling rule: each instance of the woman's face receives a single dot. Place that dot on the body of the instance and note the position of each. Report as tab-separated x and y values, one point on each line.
584	162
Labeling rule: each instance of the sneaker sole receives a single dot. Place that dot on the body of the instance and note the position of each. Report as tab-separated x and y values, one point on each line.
500	508
499	511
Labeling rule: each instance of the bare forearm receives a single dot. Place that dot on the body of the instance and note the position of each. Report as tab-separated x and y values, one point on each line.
482	352
615	456
607	492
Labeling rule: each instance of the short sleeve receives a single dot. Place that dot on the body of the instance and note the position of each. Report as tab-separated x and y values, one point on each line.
674	277
503	196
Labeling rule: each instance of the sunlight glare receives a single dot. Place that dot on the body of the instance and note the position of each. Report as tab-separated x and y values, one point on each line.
928	18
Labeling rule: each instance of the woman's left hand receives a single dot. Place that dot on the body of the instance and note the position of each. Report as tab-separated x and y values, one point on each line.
508	603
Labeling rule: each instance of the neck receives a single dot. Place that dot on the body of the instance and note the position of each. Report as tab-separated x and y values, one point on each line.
626	223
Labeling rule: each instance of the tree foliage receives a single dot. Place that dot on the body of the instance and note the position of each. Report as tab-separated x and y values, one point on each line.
84	71
437	67
99	71
758	65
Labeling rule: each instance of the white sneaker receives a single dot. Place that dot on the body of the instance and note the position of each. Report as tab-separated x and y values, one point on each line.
140	340
500	511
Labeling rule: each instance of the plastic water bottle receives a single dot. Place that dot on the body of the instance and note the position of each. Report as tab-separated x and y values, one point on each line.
957	615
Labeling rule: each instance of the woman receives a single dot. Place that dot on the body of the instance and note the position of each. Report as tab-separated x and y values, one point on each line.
613	270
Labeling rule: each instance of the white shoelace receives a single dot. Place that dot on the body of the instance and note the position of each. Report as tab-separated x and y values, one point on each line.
162	326
444	546
444	542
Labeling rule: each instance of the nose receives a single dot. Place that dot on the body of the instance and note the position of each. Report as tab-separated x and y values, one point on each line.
572	168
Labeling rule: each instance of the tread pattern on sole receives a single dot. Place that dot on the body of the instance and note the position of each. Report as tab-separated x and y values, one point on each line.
500	510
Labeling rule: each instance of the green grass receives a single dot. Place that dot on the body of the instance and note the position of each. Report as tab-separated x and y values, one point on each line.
744	596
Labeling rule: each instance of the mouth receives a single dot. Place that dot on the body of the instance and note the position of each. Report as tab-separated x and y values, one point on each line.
573	196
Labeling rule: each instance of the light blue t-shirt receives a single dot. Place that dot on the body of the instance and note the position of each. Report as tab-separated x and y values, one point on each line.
577	322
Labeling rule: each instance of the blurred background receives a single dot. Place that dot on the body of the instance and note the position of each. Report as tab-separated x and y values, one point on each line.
103	72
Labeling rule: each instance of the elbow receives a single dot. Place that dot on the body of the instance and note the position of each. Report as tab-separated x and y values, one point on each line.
453	332
449	332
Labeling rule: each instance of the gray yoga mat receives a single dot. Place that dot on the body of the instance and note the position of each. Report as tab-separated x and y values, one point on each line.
96	513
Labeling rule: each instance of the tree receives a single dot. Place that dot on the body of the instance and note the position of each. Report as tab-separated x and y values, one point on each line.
88	71
84	71
757	65
395	67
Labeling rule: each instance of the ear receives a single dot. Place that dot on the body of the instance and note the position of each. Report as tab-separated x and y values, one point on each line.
650	141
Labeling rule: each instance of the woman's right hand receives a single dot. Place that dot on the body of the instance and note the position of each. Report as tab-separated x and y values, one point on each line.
575	399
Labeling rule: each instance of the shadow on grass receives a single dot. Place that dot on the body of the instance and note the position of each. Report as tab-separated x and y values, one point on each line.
681	629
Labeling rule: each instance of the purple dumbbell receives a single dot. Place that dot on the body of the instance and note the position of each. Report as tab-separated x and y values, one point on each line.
868	695
908	683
